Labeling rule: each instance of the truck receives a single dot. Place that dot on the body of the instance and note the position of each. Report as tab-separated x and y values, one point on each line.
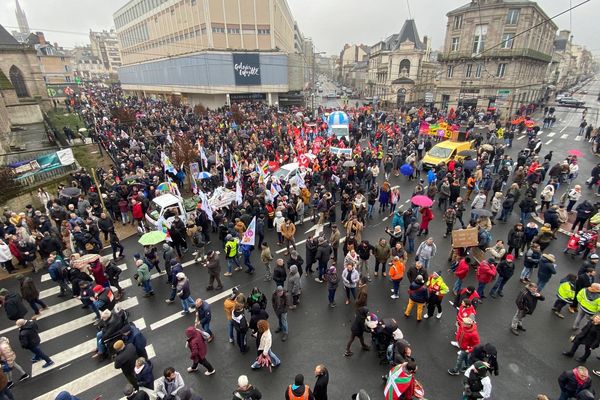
339	124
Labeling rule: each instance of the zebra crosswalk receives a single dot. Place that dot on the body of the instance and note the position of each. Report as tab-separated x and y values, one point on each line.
68	337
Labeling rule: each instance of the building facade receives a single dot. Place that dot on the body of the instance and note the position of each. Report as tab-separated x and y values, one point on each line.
486	64
87	66
399	71
105	46
208	51
350	55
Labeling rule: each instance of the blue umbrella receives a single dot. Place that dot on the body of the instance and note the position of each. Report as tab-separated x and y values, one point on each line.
203	175
407	170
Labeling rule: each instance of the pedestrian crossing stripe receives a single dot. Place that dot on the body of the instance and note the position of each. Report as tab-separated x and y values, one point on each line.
56	289
564	136
46	277
52	310
75	352
551	134
78	323
578	138
91	380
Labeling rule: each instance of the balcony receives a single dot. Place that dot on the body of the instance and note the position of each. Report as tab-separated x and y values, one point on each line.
496	53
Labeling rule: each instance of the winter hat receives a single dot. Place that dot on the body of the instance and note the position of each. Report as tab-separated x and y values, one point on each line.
510	258
166	246
119	345
173	262
180	275
299	380
98	289
280	288
419	279
128	391
3	292
331	269
549	257
594	257
243	381
481	368
228	237
137	256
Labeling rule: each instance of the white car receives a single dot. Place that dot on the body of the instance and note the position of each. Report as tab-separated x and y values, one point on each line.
286	172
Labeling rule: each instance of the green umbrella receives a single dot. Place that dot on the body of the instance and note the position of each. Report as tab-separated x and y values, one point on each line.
152	238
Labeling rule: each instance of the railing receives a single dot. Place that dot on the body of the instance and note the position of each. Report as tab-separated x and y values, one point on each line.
496	53
45	176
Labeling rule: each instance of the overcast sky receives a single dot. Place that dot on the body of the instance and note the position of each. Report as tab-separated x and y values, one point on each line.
330	23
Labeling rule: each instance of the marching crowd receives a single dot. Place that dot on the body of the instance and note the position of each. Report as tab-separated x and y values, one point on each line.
233	144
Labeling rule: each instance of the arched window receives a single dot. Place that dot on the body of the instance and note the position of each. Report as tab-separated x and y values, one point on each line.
18	82
404	67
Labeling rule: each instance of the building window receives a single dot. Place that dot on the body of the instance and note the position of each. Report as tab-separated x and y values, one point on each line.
512	18
450	71
233	30
193	2
67	79
507	40
469	70
218	30
404	67
458	21
18	82
478	70
455	44
66	68
479	38
62	59
501	70
264	31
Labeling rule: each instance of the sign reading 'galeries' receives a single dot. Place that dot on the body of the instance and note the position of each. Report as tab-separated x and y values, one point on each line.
246	68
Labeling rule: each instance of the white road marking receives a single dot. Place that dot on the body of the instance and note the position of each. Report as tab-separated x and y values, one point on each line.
564	136
75	324
185	264
65	305
46	277
177	315
74	352
90	380
520	137
551	134
578	138
548	142
56	289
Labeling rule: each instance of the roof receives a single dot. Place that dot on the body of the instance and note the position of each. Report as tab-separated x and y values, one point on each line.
360	65
6	39
5	83
166	200
409	33
475	5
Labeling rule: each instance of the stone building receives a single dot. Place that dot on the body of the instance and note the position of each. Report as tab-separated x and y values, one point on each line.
485	63
400	71
22	87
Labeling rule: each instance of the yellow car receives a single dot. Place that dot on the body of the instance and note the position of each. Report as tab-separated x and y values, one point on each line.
444	151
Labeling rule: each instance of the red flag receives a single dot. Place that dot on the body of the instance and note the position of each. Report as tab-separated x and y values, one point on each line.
303	161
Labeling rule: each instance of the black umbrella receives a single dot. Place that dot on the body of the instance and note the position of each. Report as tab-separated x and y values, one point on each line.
470	164
70	192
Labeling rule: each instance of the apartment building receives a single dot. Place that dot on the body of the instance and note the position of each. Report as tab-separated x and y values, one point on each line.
105	46
496	54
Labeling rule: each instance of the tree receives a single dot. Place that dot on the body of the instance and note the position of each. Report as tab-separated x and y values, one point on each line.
184	152
126	116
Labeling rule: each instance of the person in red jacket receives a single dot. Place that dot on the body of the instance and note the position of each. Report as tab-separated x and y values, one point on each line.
467	338
197	345
426	217
138	214
461	272
486	272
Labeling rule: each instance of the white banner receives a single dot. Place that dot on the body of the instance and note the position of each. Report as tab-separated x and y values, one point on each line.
340	151
65	156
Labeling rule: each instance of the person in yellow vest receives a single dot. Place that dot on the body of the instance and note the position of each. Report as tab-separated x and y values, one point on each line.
437	289
299	391
589	304
231	251
565	295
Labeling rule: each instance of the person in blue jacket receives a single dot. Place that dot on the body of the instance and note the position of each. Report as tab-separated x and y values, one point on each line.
132	334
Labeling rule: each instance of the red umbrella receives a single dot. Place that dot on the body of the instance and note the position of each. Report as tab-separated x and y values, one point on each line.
575	153
421	201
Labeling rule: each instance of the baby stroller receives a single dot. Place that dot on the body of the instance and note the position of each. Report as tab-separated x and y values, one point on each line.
110	340
383	336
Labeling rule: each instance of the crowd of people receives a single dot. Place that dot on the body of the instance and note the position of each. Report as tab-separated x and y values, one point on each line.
150	141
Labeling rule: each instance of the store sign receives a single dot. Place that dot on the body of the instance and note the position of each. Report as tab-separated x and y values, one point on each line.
237	97
246	69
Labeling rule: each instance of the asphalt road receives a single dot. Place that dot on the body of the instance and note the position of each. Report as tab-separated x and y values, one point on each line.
529	364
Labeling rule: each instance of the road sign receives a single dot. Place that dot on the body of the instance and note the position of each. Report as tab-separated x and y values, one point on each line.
428	97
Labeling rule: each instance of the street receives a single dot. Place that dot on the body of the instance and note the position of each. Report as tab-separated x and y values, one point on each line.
529	364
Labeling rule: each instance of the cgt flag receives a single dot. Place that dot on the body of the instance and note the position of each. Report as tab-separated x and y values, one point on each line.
250	234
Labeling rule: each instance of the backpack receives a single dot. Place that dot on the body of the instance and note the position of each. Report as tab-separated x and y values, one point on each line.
485	237
198	239
112	271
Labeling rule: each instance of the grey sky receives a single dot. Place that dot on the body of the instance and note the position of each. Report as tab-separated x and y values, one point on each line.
330	23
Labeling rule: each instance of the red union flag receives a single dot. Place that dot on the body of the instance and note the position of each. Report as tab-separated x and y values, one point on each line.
303	161
250	234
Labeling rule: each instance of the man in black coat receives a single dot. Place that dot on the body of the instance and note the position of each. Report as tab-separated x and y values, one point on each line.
30	339
125	361
132	393
320	389
13	305
526	303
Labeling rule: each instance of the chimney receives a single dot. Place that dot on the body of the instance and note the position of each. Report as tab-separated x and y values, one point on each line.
41	37
425	40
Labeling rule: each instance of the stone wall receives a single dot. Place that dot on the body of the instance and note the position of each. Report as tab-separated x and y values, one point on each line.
24	114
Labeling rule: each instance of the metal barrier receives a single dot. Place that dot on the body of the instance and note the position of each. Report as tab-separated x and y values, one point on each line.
47	175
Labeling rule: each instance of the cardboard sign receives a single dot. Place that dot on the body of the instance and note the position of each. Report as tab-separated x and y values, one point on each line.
464	237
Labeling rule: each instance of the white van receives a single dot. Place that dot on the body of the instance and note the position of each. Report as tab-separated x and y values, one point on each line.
164	208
